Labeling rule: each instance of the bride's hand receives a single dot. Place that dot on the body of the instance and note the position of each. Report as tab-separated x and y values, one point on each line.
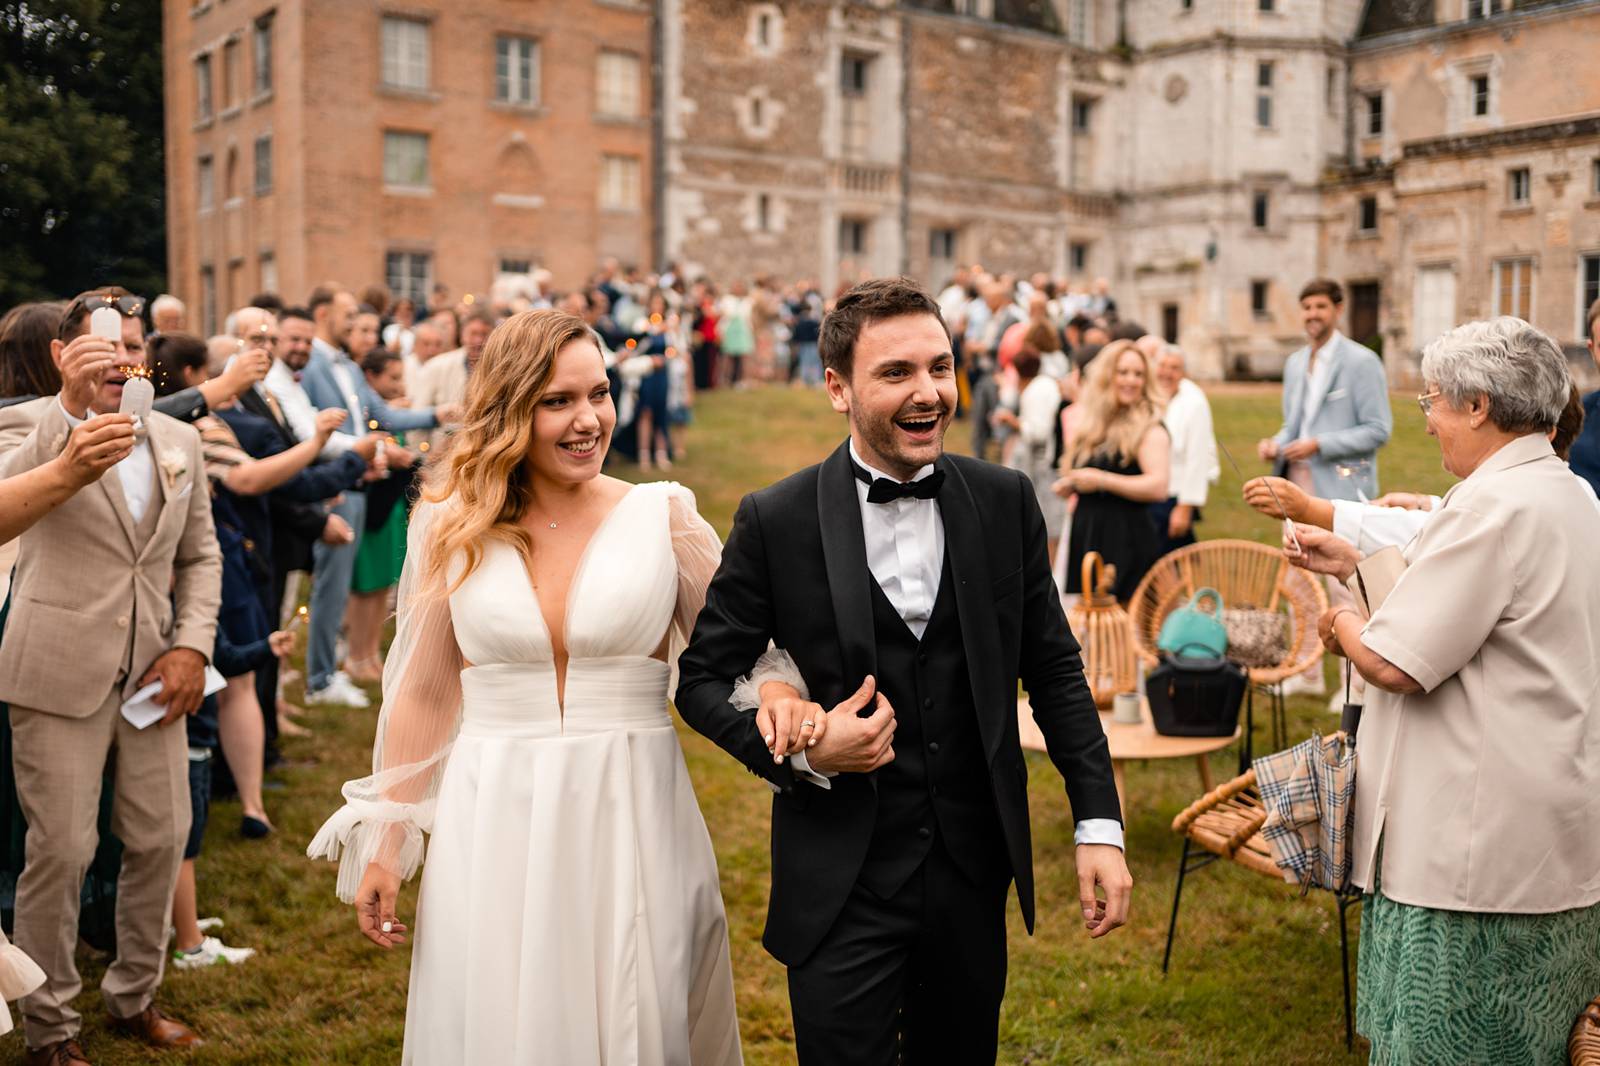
375	901
786	722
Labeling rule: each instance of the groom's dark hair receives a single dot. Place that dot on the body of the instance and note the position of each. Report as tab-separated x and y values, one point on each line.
867	302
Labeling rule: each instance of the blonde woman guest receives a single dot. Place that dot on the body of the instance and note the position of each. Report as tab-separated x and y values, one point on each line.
570	910
1114	467
1480	746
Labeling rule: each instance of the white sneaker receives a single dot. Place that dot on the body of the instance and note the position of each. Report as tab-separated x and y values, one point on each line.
339	690
205	925
1298	685
210	952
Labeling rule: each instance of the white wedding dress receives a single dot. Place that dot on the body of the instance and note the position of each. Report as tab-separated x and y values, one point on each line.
570	912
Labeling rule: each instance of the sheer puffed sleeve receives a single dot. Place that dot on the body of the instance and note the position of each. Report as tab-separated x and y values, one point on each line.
698	551
386	813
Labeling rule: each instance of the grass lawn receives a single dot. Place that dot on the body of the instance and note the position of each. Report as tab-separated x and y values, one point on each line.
1255	971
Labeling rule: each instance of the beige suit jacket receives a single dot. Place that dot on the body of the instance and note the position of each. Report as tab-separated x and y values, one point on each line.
87	604
1485	787
442	380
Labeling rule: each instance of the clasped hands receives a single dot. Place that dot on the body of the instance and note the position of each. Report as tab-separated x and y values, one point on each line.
836	741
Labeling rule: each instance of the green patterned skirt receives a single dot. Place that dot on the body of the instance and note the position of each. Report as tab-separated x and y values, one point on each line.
1459	988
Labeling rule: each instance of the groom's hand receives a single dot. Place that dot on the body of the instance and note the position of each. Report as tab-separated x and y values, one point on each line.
1103	866
854	745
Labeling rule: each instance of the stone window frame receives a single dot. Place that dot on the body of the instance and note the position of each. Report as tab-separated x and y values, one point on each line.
1588	262
1266	87
757	112
637	111
1080	27
776	218
1261	209
409	255
1594	178
1261	299
1513	201
630	198
264	257
1381	95
205	89
408	188
774	22
388	18
863	223
256	184
205	194
507	39
262	43
1074	244
232	69
1479	10
1461	92
1524	267
1362	230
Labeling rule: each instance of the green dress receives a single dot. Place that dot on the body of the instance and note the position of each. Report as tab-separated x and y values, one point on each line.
1460	988
381	554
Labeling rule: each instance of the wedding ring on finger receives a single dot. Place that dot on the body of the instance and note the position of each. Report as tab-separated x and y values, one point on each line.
809	724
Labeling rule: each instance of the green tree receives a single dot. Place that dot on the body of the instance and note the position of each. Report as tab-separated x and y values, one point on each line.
81	164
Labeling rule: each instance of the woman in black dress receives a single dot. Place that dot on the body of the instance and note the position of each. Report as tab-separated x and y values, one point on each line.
1115	464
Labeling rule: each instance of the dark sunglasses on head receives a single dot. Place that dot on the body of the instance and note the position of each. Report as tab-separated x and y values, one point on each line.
132	306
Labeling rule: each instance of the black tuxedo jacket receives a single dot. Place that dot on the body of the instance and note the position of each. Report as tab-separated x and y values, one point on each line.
794	571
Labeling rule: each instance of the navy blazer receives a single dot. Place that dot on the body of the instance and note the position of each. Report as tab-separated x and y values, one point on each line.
317	482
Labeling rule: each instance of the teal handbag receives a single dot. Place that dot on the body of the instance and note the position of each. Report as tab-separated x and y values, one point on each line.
1193	633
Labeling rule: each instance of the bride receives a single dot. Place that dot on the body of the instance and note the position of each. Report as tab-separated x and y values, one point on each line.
570	911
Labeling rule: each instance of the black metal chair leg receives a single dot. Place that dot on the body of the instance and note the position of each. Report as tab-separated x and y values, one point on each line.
1177	897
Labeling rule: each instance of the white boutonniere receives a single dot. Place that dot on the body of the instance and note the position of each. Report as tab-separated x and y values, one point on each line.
173	467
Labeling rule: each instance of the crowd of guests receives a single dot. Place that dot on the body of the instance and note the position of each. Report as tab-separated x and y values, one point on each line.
314	420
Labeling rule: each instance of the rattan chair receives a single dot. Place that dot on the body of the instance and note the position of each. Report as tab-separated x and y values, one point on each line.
1226	824
1247	574
1583	1047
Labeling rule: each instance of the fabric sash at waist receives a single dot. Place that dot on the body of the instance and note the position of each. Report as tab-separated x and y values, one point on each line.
602	695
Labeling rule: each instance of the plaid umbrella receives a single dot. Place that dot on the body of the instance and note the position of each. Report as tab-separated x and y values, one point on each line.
1309	793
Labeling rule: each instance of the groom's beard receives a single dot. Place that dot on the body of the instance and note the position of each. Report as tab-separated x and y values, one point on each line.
895	447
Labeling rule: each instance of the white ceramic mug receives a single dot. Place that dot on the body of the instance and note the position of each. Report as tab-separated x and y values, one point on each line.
1125	708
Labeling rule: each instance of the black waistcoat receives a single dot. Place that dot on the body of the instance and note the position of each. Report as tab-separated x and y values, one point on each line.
938	786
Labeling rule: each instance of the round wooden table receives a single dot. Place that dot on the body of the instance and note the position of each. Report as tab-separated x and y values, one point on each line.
1129	742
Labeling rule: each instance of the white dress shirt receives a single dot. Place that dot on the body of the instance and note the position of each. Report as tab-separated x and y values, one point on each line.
1194	445
905	552
299	411
137	473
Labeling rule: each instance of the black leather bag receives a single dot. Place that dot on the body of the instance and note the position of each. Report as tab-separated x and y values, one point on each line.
1196	697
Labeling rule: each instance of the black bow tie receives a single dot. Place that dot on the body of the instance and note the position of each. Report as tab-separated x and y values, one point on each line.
883	490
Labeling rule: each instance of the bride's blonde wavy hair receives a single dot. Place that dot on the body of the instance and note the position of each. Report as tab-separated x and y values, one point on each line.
1104	425
481	472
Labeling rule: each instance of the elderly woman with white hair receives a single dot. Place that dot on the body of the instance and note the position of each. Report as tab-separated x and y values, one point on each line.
1477	825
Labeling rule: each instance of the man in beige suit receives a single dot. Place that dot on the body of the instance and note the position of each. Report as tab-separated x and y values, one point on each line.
442	380
115	589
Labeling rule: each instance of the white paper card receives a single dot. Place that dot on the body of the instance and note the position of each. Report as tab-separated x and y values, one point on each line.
106	323
141	710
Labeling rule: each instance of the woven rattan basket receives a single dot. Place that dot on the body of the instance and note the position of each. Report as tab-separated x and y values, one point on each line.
1110	653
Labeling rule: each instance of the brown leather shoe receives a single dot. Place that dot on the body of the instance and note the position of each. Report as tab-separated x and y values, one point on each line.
61	1053
156	1029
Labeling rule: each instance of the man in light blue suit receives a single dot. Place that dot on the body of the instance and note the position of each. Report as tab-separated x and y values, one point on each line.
332	380
1335	415
1335	405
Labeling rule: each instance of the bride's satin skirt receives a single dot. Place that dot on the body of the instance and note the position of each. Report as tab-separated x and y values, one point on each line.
570	912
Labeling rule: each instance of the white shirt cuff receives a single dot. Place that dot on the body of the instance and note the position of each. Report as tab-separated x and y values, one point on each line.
820	778
1098	831
1347	515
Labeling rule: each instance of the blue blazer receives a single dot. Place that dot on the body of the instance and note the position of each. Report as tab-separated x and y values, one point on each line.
1350	417
324	392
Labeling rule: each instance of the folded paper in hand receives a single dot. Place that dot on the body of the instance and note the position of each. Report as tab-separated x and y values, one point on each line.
142	710
1375	577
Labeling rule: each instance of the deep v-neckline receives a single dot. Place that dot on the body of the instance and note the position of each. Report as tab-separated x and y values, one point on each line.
557	669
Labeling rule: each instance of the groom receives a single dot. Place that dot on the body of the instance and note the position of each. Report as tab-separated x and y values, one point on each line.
920	582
